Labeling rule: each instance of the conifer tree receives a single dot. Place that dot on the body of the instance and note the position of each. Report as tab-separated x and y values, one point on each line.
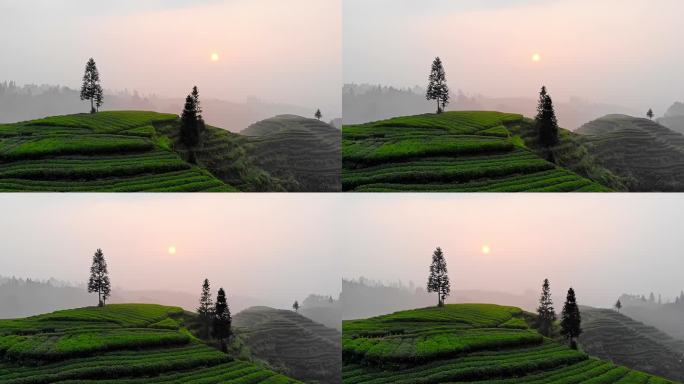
546	314
438	281
571	321
192	123
318	114
91	89
437	87
295	306
649	114
195	98
205	309
222	320
545	121
618	305
99	278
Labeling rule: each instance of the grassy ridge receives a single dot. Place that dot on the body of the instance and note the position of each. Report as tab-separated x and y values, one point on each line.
452	151
120	343
462	343
107	152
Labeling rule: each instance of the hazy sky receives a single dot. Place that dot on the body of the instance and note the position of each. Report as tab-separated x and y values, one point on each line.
268	246
280	51
625	52
601	244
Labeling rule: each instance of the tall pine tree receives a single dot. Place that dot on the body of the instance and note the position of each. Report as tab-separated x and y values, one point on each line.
546	315
545	121
618	305
192	123
571	321
205	309
438	281
649	114
437	87
91	89
222	319
99	278
318	114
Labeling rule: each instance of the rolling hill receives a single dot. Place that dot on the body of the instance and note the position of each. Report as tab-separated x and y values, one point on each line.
120	343
303	151
473	343
291	343
452	151
612	336
126	151
648	155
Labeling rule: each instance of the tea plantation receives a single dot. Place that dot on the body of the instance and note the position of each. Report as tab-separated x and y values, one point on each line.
117	151
452	151
467	343
120	343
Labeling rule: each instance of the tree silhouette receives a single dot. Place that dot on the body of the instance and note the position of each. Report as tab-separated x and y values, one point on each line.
618	305
91	89
571	321
438	281
545	121
546	315
437	87
192	124
99	278
222	319
649	114
318	114
295	306
205	309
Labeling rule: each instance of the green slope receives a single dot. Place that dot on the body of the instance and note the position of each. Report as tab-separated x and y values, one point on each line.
459	343
120	343
648	155
612	336
118	151
294	344
452	151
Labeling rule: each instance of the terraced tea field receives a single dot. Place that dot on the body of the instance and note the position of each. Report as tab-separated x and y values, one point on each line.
302	348
117	151
615	337
649	155
304	151
467	343
452	151
120	343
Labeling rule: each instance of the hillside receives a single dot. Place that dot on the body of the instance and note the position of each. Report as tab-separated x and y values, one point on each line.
466	343
126	151
120	343
649	155
452	151
612	336
303	151
294	344
104	152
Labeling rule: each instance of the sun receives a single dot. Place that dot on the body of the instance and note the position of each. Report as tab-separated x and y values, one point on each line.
214	56
536	57
172	250
486	249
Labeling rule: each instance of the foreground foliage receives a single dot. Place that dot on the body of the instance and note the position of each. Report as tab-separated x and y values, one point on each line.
478	343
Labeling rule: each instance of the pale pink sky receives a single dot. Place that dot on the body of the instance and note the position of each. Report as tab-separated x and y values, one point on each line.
279	51
601	244
271	246
625	52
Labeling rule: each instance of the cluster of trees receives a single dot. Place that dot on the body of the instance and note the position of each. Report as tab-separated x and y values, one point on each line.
99	278
438	280
571	320
215	320
437	87
545	120
192	124
91	89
